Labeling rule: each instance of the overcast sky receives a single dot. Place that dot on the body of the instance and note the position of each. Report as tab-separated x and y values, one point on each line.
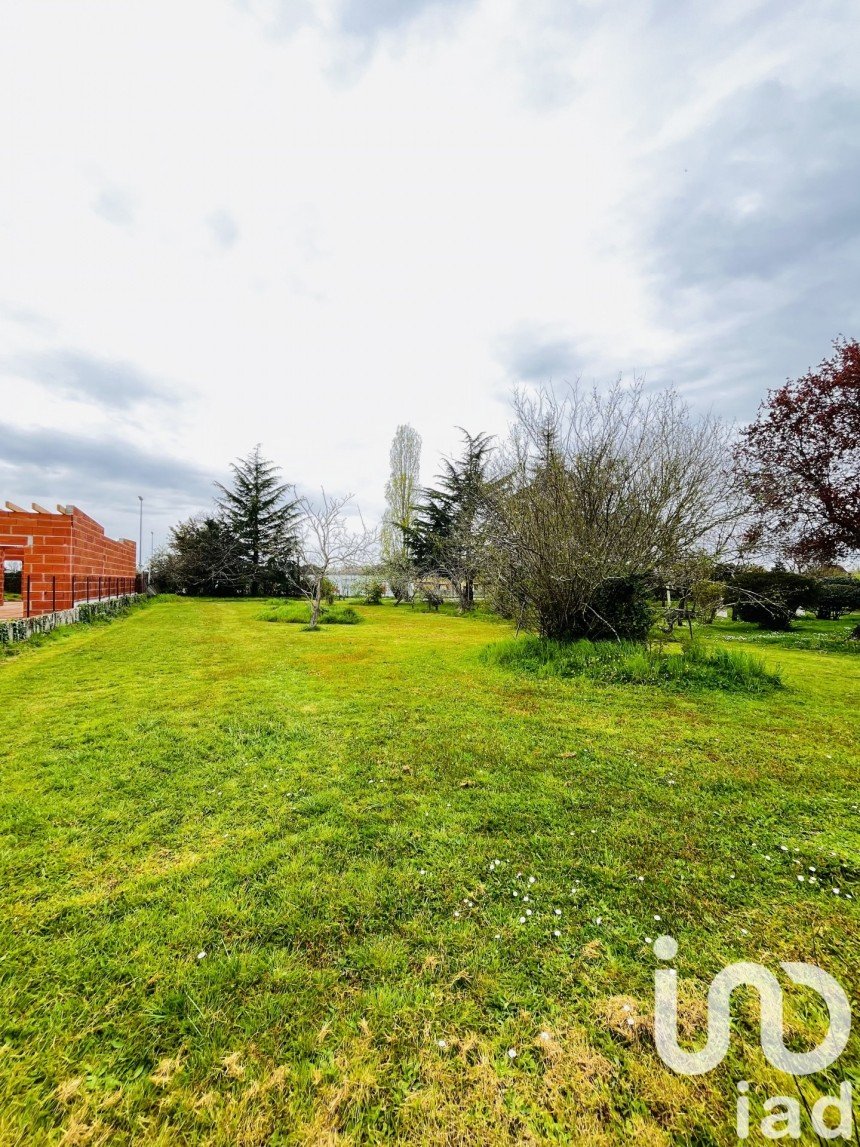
300	223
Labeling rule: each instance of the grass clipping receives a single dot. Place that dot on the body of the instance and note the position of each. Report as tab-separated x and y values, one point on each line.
693	666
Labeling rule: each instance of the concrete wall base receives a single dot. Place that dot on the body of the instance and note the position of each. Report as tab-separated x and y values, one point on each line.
24	627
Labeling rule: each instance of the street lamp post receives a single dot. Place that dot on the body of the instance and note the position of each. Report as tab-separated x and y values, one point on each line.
140	540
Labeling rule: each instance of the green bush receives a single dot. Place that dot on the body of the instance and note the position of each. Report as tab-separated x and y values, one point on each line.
771	598
346	616
706	598
373	592
329	590
837	596
620	608
626	662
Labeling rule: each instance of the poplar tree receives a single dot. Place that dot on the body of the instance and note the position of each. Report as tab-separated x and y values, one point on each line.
401	490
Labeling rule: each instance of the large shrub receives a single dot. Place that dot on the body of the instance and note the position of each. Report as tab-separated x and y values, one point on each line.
620	608
594	489
837	596
372	591
771	598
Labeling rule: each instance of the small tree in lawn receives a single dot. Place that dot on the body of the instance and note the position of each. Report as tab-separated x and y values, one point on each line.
259	513
800	462
327	541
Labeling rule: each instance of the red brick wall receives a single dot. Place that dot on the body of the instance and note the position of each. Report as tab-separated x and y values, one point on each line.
55	548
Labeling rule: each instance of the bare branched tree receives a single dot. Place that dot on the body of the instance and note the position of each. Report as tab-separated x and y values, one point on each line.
598	487
327	542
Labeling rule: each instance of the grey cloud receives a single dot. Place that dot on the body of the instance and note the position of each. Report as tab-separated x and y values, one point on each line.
224	228
72	456
115	206
757	249
530	354
111	383
770	185
103	477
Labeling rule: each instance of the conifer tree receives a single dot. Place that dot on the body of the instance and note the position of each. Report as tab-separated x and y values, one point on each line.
258	511
447	536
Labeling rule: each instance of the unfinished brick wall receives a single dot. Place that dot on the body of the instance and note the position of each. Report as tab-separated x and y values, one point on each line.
59	553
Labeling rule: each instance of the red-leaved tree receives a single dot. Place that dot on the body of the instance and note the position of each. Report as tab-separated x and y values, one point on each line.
800	463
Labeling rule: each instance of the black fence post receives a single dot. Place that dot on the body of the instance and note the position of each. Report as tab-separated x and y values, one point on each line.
54	594
28	594
73	591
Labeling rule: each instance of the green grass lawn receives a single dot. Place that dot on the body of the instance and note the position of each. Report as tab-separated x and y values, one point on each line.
262	885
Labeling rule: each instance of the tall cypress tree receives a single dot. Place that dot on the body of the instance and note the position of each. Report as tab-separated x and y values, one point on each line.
262	517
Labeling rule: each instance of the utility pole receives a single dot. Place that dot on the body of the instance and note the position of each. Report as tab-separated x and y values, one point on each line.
140	540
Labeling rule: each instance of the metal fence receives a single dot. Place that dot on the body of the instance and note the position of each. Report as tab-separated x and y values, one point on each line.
47	594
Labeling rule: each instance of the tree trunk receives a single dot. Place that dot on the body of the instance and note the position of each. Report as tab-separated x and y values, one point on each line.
316	603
